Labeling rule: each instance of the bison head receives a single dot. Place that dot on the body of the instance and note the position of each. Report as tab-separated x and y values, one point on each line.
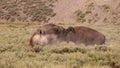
46	35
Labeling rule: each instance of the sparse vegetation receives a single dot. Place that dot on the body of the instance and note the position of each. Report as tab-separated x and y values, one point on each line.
80	16
105	13
105	8
26	10
90	6
83	16
15	52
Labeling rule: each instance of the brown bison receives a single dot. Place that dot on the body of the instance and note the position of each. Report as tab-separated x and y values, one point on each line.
85	35
47	34
52	34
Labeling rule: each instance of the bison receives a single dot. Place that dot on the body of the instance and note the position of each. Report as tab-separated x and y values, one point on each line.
52	34
85	35
47	34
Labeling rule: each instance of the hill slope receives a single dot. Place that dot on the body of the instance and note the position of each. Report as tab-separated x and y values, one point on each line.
64	11
108	11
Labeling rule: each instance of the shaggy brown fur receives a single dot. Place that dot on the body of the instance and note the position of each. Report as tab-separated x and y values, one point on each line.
51	34
32	39
85	35
46	34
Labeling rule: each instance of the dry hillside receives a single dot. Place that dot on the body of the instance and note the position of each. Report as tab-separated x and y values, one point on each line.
93	11
63	11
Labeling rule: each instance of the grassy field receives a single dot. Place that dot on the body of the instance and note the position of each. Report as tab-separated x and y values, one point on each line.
15	52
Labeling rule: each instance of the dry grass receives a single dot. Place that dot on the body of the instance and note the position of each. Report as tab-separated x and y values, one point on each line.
15	52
